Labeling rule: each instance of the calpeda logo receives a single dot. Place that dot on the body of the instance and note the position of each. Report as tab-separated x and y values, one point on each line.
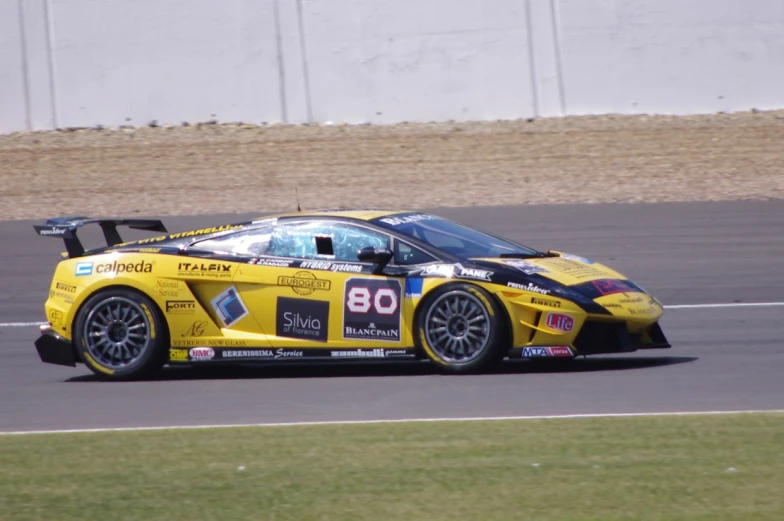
124	267
304	283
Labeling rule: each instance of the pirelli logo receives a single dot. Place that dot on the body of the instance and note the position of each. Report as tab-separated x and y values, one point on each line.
304	283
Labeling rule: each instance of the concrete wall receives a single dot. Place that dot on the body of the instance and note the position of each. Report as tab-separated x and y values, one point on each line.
75	63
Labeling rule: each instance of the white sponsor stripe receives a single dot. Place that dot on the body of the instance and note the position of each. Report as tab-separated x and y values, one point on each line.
408	420
676	306
730	305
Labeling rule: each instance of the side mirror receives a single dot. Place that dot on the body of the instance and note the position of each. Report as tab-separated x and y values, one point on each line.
378	256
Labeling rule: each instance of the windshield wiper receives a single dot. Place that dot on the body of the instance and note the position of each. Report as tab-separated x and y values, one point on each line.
535	255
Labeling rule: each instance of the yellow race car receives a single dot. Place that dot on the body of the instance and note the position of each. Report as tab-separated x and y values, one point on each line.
330	285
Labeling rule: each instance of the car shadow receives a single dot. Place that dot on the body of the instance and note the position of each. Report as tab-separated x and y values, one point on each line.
364	369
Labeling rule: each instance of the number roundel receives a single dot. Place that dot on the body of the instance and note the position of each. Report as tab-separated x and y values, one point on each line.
360	299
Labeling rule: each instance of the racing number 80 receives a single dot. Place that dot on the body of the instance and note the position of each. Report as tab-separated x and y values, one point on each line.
361	299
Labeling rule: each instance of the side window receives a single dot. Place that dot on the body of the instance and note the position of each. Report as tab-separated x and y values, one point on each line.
250	242
406	255
299	240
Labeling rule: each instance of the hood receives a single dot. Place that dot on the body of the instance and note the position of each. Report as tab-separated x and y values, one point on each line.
565	269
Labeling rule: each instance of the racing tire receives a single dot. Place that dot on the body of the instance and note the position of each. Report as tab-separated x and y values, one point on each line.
461	328
120	334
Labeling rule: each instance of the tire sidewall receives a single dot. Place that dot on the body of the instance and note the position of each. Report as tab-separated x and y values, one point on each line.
492	350
153	356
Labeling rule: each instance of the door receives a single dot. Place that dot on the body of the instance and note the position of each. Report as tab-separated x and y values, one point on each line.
310	291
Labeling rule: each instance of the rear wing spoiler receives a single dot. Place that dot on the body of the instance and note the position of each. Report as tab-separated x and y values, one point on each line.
65	228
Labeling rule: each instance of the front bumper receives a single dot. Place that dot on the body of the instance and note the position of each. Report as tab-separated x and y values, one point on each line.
54	349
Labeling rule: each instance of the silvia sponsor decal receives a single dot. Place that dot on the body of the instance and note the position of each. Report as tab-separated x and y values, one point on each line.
304	283
526	267
560	322
229	306
331	266
83	268
202	353
371	309
180	307
305	319
204	269
529	287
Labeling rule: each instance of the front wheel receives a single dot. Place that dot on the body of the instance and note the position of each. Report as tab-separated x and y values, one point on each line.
460	327
120	334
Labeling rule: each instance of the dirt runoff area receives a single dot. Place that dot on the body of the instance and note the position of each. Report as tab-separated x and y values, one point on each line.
231	168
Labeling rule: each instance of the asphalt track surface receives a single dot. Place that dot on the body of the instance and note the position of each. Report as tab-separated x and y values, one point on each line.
729	358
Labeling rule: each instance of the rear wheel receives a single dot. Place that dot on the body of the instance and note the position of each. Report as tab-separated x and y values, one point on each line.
120	334
460	328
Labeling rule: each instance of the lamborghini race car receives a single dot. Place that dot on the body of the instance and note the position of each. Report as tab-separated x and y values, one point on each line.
330	285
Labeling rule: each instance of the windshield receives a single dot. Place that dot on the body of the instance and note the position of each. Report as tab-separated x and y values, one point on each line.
453	238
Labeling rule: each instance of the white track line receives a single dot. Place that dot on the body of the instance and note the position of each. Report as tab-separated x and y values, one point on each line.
678	306
410	420
730	305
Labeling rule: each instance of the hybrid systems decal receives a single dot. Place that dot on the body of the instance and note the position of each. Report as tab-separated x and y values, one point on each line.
229	306
371	309
305	319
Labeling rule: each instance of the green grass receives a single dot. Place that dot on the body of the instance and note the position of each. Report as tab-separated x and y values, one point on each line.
642	468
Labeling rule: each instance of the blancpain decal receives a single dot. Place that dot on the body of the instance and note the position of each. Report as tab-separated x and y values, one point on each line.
529	287
371	333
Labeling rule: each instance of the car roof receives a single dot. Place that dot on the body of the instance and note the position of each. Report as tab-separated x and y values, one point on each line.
362	214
